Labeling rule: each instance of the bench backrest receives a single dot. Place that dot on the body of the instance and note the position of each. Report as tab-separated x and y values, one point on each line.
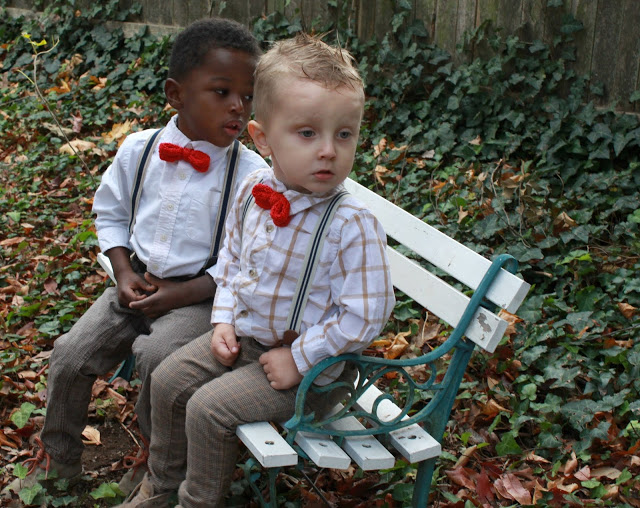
464	265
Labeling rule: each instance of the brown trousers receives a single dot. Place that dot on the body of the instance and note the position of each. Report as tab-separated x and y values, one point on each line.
196	405
102	338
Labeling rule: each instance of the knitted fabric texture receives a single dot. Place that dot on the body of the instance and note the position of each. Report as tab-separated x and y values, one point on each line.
172	153
274	201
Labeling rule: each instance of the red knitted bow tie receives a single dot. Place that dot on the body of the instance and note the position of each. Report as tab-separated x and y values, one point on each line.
172	153
269	199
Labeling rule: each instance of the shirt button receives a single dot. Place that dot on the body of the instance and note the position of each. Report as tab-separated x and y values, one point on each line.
182	176
163	238
269	228
243	313
155	266
170	207
253	273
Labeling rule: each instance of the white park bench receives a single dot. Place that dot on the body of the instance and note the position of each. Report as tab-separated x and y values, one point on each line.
371	427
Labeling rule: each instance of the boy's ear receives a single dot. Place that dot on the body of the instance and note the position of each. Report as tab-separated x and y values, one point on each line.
173	92
257	133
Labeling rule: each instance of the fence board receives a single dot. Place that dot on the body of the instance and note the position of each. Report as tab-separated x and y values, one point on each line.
585	11
532	16
605	47
425	10
445	29
466	21
627	62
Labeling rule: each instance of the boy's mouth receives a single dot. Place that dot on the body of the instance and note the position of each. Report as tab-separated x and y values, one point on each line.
233	128
323	174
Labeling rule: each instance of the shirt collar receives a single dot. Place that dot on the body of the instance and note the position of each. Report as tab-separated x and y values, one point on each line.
300	201
174	135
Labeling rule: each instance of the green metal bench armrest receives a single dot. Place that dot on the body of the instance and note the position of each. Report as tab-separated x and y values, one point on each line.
371	369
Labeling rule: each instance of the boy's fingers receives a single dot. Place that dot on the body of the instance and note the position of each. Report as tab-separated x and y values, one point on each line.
151	280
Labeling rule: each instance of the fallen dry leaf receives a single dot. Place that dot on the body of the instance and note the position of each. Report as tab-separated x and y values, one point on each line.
510	487
379	148
571	465
492	408
118	131
627	310
91	435
608	472
77	145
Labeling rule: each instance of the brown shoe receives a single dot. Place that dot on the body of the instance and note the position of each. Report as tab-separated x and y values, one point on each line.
137	465
145	495
44	470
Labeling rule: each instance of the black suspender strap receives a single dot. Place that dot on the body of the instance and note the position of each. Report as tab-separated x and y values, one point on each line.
314	249
141	169
225	202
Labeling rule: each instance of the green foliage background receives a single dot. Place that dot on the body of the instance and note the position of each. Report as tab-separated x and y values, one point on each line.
503	153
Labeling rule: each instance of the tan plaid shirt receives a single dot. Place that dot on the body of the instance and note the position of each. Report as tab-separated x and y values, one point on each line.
258	268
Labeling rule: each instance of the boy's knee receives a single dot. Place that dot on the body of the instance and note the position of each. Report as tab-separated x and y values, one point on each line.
204	409
148	358
161	380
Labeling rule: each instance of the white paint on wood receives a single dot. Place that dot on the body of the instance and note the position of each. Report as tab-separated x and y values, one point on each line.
322	450
267	445
467	266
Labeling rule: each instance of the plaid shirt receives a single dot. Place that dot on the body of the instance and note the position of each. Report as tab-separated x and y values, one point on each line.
258	268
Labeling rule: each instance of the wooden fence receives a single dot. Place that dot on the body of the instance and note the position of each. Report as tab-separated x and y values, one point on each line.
608	49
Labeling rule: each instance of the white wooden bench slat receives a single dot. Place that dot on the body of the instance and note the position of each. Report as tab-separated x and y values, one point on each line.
446	302
366	451
267	445
322	450
413	442
467	266
105	263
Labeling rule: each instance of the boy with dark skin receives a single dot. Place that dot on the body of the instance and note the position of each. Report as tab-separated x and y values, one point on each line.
160	249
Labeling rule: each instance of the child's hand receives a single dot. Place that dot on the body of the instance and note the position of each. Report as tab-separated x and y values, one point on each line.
132	288
280	368
167	296
224	344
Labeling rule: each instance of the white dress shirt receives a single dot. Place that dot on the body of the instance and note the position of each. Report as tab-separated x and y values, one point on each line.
258	268
178	207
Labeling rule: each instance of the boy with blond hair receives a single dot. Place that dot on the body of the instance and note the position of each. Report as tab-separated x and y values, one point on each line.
309	101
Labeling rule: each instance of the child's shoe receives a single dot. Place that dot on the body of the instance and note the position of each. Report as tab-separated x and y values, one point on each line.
145	496
44	470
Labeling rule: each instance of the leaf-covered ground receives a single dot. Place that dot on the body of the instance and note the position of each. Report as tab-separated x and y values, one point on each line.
502	153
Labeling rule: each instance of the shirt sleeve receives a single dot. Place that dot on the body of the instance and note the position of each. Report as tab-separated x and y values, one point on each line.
228	264
112	201
362	292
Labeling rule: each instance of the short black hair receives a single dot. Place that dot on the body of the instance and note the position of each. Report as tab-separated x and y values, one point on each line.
191	46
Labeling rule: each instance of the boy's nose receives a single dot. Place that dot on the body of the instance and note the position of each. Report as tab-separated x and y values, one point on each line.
236	103
327	150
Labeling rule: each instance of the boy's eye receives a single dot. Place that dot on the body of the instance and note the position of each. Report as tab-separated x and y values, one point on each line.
248	98
344	134
306	133
221	91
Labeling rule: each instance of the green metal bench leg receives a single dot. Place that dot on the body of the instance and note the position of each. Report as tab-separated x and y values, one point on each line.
423	483
125	370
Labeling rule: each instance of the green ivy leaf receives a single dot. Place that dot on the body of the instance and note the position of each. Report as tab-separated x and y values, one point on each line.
28	494
107	490
21	417
508	446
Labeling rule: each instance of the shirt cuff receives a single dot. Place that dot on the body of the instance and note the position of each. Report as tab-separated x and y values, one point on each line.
223	307
111	237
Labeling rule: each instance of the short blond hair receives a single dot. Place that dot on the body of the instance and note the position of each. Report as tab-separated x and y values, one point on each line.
304	57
